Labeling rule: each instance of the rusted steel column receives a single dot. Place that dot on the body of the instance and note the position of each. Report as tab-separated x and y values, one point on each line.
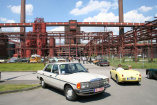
151	48
135	44
102	45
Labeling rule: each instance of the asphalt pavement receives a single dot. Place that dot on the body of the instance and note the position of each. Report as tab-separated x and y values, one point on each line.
124	94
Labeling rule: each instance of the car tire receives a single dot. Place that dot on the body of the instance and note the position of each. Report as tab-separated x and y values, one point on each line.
43	84
149	76
70	93
117	81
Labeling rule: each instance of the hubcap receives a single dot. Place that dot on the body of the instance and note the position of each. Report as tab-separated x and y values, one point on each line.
42	83
69	93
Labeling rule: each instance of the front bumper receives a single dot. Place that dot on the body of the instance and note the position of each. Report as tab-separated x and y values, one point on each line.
89	92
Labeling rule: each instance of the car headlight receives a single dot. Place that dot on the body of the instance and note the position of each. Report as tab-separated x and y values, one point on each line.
106	81
83	85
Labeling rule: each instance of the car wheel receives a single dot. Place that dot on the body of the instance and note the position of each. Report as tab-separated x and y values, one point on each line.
69	93
43	84
149	76
117	80
99	64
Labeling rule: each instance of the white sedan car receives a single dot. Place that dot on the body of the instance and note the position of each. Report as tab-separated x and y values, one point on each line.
73	79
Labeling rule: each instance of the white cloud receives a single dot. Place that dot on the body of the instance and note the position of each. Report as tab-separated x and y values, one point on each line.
5	20
131	16
102	17
145	9
94	5
79	4
61	28
6	29
134	16
17	9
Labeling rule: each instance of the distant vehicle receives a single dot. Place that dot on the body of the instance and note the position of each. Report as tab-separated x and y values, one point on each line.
3	61
95	61
73	79
103	63
13	60
21	60
51	60
151	73
35	58
59	59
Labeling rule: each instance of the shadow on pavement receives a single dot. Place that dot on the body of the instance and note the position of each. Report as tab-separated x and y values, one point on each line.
83	99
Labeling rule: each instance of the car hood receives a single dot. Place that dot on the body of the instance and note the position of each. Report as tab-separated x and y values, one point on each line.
82	77
129	73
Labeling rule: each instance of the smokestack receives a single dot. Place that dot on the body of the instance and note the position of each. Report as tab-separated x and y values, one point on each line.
121	20
22	20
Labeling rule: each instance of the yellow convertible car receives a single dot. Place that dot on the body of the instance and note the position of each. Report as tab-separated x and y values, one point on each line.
125	75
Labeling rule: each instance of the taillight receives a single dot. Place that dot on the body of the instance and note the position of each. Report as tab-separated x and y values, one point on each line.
140	75
122	75
79	85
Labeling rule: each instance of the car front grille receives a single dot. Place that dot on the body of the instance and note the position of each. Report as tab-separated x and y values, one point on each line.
97	84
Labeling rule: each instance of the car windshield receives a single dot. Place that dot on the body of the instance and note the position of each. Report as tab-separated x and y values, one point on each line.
72	68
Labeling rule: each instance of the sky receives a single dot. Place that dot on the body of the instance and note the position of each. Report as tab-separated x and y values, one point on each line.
81	10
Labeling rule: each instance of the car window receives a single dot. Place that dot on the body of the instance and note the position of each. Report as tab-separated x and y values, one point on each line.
80	67
48	68
55	69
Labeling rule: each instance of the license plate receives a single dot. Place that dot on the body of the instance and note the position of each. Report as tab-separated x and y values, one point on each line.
99	89
131	78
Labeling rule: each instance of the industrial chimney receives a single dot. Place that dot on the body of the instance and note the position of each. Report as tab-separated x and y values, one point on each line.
121	20
22	20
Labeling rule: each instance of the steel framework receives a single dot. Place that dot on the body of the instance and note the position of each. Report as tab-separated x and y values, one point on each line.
133	42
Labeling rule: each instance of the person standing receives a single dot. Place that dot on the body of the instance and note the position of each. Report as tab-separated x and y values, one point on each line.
83	59
90	60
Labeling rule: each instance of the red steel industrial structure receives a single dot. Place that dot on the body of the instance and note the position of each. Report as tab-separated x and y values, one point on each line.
141	39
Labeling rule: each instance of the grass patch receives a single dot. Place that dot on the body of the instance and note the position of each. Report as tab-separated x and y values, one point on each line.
7	67
138	65
11	87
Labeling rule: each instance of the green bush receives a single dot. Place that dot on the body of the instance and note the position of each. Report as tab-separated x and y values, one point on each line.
123	60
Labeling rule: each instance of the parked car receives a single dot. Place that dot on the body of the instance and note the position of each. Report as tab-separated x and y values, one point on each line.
103	63
125	75
51	60
151	73
95	61
35	58
59	59
3	60
21	60
73	79
13	60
